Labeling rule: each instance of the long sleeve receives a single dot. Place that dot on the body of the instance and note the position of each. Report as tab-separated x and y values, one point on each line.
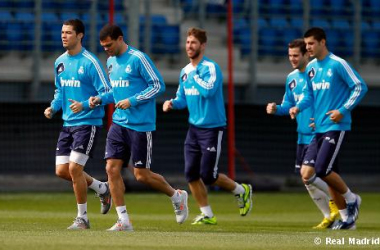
100	82
180	101
356	84
207	79
56	103
152	77
287	102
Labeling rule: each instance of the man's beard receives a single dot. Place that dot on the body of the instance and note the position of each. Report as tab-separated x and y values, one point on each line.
196	54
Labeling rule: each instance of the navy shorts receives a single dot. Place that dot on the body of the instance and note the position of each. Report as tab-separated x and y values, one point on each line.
123	142
80	139
300	154
202	151
323	151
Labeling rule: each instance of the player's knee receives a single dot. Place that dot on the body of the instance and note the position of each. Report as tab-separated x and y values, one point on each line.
141	176
309	180
208	178
62	167
307	174
62	173
75	170
112	171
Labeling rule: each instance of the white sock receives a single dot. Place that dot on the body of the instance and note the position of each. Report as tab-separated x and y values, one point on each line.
320	199
175	198
207	211
82	211
122	214
238	189
321	185
98	186
343	214
349	196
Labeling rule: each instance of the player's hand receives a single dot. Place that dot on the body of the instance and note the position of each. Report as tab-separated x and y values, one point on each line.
335	115
75	106
312	123
271	108
168	105
293	112
48	112
123	104
94	101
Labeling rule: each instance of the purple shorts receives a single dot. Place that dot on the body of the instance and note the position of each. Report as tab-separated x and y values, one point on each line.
80	139
301	151
323	151
123	142
202	151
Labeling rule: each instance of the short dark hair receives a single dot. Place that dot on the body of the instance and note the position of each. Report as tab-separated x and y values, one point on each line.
77	24
298	43
316	32
110	30
200	34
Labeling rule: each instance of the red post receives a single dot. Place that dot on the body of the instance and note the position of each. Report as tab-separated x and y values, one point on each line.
110	107
231	96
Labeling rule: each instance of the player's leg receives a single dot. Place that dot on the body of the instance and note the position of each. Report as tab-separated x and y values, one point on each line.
242	192
80	191
63	151
84	138
210	141
117	153
141	148
337	202
316	187
117	189
198	189
199	192
337	205
329	149
62	154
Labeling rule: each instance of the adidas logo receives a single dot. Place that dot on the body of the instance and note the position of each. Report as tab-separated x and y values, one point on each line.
332	141
85	212
138	163
81	147
124	212
312	161
212	149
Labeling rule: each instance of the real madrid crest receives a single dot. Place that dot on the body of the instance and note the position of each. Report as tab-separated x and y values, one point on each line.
292	84
311	73
60	68
81	70
184	77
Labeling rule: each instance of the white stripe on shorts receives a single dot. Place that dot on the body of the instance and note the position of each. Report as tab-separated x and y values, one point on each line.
148	149
340	140
92	138
218	151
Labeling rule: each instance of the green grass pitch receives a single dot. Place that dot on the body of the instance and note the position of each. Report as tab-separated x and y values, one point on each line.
38	221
